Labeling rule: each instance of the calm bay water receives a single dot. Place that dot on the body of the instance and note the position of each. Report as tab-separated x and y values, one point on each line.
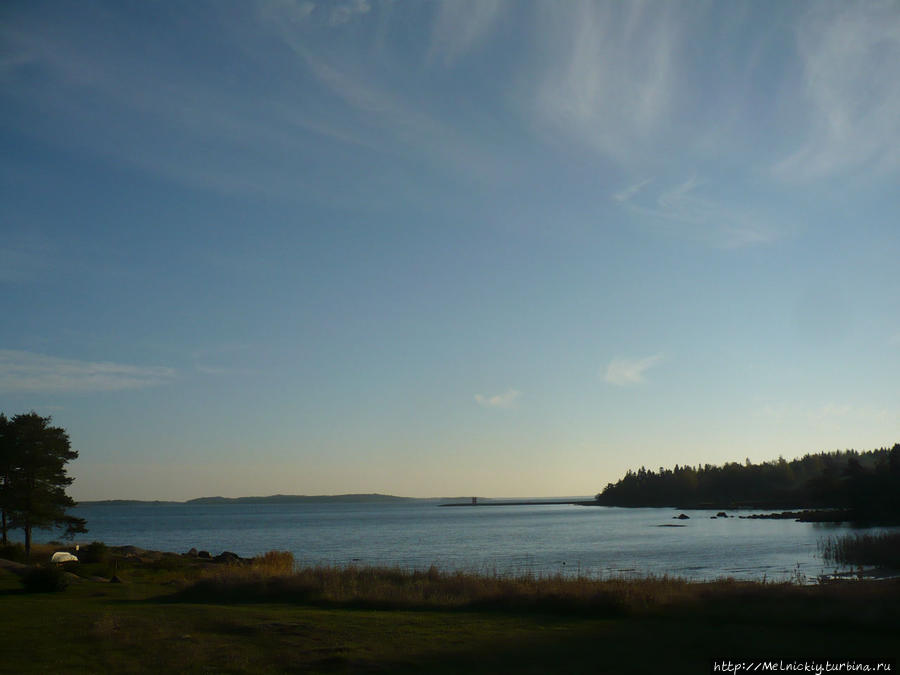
539	539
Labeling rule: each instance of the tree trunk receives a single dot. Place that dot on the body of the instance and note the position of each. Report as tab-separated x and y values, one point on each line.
4	540
27	541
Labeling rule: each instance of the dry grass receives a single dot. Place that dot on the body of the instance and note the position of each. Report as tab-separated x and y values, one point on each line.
389	588
274	563
437	590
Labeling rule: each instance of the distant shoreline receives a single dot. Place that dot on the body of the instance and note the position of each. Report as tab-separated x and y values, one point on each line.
271	499
530	502
377	498
354	498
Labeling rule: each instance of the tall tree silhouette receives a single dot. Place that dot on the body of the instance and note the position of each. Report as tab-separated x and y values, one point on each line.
6	455
34	485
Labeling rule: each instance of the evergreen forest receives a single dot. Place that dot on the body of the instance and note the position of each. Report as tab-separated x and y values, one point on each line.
865	483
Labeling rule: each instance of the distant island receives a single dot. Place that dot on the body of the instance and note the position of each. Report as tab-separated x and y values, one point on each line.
296	499
271	499
123	502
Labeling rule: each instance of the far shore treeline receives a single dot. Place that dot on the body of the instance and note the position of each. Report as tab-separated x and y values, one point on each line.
865	483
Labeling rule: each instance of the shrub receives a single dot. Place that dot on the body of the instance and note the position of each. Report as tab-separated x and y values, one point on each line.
170	562
15	552
95	552
45	580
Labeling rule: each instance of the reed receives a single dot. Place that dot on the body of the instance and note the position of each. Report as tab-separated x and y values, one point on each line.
881	550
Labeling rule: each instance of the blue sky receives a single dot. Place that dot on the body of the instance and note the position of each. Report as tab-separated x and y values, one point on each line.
491	248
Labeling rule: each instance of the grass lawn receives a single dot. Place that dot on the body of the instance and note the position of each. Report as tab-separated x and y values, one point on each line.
165	621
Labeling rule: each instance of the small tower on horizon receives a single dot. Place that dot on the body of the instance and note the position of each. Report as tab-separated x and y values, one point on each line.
474	501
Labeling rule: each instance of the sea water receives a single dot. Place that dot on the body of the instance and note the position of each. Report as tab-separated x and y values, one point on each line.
542	539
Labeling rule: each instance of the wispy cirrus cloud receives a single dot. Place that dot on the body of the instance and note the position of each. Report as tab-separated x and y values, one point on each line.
22	371
221	371
684	210
390	120
460	25
609	73
195	127
507	399
627	371
626	194
294	12
106	104
850	59
342	12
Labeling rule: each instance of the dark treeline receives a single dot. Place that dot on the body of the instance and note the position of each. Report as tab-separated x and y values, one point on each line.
868	483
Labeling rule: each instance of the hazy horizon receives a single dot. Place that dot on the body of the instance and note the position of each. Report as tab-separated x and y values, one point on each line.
351	494
468	248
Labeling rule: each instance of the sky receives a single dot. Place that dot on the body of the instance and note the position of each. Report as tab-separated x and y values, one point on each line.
447	248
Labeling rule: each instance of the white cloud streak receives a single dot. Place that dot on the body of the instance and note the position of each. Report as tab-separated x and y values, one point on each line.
345	11
507	399
461	25
625	371
850	56
631	191
222	371
174	110
684	211
610	75
295	12
389	117
22	371
292	11
201	129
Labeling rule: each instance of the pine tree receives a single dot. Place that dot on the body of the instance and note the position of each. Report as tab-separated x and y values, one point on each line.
34	487
6	453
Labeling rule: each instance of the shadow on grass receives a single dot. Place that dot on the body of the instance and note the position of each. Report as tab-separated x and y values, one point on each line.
654	645
6	592
596	605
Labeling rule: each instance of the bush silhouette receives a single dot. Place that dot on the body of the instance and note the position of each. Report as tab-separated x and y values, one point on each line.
95	552
14	552
45	580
